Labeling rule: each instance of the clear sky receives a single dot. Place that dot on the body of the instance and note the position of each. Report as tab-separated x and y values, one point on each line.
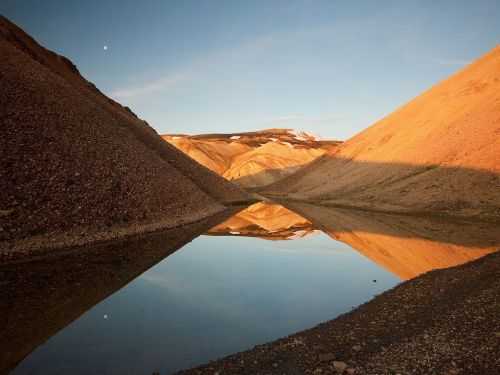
329	67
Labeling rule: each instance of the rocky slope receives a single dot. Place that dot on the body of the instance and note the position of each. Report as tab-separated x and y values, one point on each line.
77	166
437	154
253	159
268	221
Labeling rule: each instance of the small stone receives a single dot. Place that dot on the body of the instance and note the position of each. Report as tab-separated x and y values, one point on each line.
497	334
356	348
350	371
326	357
339	366
275	365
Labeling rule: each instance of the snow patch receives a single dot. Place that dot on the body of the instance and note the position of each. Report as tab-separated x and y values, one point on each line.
235	137
302	135
235	232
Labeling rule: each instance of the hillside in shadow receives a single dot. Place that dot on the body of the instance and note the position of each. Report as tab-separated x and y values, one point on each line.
394	187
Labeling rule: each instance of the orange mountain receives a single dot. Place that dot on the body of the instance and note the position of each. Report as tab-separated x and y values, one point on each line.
440	153
253	159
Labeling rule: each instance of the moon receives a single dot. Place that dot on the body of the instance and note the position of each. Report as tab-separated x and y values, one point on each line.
105	48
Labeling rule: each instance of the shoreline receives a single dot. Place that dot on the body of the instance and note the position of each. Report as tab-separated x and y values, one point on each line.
41	247
442	322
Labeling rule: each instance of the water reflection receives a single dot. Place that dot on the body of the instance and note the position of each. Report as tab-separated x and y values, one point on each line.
405	245
220	293
267	221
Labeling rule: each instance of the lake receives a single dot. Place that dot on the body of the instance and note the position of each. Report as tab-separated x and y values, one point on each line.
155	304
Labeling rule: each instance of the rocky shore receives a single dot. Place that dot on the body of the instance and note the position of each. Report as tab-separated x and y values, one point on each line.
442	322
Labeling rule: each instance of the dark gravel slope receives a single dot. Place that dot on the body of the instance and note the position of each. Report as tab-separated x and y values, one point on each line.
74	161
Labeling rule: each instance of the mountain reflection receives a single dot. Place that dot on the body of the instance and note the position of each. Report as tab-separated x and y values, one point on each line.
268	221
41	297
407	246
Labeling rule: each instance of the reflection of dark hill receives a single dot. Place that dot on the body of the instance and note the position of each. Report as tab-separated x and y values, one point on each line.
39	298
405	245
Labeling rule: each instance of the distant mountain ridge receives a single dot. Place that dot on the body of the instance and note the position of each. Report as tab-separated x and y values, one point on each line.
253	159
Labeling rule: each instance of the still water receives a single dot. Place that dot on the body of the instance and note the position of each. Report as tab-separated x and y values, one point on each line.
262	274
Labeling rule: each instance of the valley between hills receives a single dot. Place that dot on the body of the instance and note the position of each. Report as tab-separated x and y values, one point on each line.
93	197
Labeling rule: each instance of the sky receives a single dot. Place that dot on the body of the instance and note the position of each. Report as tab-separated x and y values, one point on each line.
329	67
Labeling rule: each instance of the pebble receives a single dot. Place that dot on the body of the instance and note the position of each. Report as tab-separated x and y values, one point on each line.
339	366
356	348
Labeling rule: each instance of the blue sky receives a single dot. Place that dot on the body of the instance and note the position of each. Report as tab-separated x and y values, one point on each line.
329	67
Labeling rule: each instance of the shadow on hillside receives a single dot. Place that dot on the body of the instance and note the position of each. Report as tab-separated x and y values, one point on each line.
41	297
393	187
256	181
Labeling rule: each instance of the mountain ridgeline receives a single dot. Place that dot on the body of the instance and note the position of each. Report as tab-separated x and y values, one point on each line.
438	154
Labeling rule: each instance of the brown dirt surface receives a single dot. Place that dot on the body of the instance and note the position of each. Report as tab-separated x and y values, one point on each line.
443	322
75	164
253	159
438	154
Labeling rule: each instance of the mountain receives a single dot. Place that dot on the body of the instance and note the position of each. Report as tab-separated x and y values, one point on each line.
76	166
253	159
438	154
265	220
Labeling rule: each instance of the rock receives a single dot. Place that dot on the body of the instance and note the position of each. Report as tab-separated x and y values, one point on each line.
275	365
326	357
356	348
350	371
339	366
